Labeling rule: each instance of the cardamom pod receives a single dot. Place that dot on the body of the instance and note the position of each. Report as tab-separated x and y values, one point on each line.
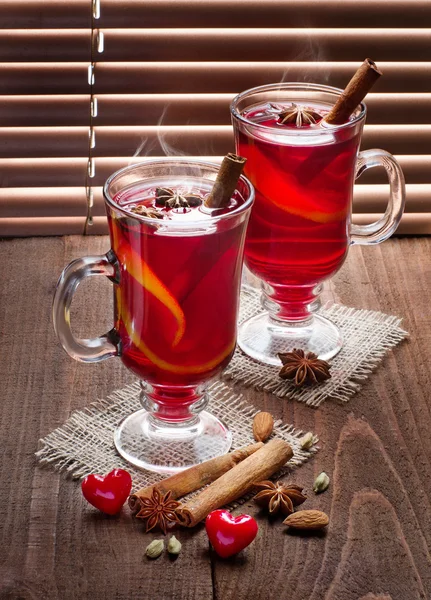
321	483
307	441
174	546
155	549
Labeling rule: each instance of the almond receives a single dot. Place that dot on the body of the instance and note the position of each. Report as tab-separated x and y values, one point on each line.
307	519
263	424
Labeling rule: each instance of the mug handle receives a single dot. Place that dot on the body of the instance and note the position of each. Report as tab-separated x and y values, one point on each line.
381	230
83	350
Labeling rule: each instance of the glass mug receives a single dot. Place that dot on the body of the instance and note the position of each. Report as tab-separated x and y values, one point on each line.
176	295
300	227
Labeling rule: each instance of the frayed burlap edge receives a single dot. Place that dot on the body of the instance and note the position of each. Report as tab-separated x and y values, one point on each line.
375	333
84	443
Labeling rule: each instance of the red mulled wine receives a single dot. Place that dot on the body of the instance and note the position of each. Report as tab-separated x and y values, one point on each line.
299	226
176	303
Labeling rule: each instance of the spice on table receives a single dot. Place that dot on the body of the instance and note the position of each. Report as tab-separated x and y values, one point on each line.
263	425
159	510
155	549
299	116
307	441
303	368
194	478
278	497
237	482
307	519
174	546
321	483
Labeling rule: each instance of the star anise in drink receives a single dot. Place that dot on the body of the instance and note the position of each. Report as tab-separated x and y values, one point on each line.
278	497
158	511
299	116
146	211
302	368
170	199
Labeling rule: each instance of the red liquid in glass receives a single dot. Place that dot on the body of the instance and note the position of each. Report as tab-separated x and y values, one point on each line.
298	231
176	303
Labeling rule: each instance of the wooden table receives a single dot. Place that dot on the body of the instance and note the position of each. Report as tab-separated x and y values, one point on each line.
376	448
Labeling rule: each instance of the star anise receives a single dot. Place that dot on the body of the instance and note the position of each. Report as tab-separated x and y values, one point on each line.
299	115
303	368
158	510
278	497
146	211
169	198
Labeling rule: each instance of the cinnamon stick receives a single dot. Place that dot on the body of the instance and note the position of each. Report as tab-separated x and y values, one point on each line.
194	478
356	90
236	482
227	179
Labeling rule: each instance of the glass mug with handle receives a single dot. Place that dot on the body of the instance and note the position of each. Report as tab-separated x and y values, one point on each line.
300	227
176	273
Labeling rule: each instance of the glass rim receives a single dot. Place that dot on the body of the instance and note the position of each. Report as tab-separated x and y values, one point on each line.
171	223
289	86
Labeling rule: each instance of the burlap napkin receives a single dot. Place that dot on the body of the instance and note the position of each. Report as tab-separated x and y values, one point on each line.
85	443
367	335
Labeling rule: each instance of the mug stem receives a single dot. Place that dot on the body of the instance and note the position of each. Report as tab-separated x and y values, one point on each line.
172	432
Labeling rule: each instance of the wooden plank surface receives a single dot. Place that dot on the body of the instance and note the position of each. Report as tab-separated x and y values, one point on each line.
376	448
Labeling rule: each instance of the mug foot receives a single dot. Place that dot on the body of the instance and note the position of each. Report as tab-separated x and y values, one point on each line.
149	443
263	338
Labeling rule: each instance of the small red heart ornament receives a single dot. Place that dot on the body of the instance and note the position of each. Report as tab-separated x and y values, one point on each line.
228	534
108	492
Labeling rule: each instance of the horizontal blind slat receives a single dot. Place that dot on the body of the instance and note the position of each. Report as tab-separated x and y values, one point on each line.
43	202
43	172
411	223
215	77
293	13
264	44
41	45
33	14
51	172
44	78
43	142
38	110
194	77
175	109
207	139
220	13
416	168
29	226
374	198
72	201
201	109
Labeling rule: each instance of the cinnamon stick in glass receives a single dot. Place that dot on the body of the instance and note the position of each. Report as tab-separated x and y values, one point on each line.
227	179
194	478
356	90
236	482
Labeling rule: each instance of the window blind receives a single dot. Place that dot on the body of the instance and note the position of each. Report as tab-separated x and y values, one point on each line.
89	86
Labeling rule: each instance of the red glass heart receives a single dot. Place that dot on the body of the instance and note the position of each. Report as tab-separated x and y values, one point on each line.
108	492
228	534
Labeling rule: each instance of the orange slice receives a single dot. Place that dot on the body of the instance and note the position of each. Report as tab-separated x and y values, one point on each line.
297	202
144	275
165	365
